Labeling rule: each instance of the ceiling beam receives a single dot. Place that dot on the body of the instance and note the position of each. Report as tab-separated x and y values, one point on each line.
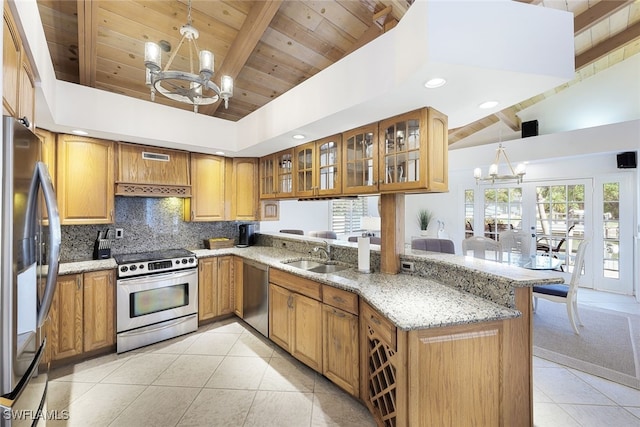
601	49
508	117
87	40
254	26
597	13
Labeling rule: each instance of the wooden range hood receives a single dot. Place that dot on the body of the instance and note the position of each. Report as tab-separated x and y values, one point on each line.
147	171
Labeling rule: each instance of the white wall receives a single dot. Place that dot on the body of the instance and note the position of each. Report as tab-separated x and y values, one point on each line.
306	216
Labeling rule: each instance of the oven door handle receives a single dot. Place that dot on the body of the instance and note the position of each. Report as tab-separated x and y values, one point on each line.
156	277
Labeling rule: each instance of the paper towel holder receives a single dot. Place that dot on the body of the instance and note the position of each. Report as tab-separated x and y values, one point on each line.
364	258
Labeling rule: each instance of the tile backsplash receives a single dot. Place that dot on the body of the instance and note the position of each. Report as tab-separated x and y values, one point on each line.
148	223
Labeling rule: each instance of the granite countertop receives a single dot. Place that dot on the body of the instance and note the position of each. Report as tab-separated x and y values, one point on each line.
84	266
409	301
519	277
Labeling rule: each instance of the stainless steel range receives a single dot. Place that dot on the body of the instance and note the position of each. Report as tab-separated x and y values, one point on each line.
156	297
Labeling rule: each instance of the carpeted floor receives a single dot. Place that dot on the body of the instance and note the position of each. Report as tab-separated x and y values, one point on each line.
608	345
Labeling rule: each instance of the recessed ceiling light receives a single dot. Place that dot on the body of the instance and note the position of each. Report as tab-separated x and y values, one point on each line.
488	104
435	82
220	153
79	132
298	136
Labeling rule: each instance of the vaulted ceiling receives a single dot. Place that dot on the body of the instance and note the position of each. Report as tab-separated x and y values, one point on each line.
269	47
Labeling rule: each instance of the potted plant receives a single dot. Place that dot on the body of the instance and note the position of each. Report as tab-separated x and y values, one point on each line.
424	218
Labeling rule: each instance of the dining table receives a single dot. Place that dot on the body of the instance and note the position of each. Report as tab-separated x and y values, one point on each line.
533	262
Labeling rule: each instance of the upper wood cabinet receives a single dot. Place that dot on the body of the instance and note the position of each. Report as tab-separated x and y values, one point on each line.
303	166
317	167
11	50
414	152
18	81
48	140
208	189
276	175
405	153
360	160
244	190
85	184
152	171
27	92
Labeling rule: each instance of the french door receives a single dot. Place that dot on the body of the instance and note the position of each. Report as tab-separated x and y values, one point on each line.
564	213
613	234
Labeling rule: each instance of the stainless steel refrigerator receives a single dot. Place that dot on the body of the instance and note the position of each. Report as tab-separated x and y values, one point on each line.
29	256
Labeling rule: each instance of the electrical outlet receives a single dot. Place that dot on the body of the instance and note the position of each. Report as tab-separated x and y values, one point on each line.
407	266
119	233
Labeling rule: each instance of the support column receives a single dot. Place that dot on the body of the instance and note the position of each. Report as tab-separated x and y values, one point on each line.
392	232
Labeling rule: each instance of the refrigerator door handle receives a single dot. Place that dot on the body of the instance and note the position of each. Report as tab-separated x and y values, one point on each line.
42	178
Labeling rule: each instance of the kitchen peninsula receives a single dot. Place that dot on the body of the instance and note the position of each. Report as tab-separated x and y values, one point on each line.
448	344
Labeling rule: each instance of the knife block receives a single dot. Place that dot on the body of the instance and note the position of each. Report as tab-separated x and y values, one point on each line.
102	249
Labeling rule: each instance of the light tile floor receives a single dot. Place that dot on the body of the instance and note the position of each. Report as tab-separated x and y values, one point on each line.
226	374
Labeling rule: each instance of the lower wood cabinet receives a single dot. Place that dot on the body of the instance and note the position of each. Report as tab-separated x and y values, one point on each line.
295	324
215	292
306	331
454	375
340	356
318	325
82	316
99	310
66	317
280	304
378	365
238	292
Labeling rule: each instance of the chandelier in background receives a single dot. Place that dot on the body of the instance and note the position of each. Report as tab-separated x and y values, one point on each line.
183	86
494	176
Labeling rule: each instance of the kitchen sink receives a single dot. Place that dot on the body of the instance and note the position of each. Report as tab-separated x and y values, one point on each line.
327	268
316	266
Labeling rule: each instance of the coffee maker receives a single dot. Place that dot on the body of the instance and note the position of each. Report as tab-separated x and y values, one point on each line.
246	235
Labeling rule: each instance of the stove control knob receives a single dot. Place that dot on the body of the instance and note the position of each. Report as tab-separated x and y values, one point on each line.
124	268
177	262
133	268
184	260
191	260
141	267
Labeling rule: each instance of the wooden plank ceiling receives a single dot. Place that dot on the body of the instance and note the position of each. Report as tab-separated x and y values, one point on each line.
269	47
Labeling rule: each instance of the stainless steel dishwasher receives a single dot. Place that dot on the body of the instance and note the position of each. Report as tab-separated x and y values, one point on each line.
255	295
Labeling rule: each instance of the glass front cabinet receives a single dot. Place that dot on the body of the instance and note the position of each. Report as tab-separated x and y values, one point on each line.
405	153
317	167
276	175
414	152
360	159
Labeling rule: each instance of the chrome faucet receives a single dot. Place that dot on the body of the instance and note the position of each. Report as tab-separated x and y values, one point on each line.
326	250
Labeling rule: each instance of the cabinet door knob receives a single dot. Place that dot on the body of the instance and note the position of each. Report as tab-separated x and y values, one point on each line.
338	313
78	284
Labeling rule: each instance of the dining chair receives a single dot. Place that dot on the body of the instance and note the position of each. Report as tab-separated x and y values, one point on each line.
324	234
515	242
300	232
434	245
374	240
480	245
563	293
